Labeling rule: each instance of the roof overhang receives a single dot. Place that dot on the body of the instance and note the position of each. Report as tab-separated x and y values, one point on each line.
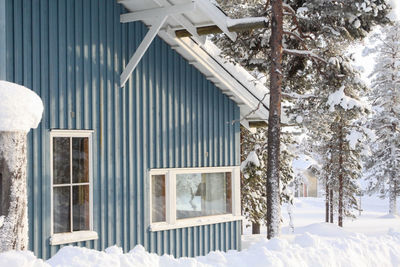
164	17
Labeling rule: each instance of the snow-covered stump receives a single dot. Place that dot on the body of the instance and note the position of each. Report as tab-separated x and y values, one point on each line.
13	205
21	109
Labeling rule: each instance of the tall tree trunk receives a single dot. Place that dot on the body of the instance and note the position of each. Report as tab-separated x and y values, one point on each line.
255	228
340	206
13	199
327	201
393	197
330	205
393	184
274	127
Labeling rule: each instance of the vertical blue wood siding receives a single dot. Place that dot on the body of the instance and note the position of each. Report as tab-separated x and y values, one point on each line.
3	49
71	52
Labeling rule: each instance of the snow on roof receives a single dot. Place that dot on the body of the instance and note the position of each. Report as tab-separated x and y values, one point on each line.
303	162
232	79
248	80
21	108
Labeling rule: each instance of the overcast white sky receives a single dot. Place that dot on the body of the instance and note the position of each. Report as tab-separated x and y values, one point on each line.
396	9
367	62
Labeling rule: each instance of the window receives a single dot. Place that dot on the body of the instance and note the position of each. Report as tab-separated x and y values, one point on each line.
71	171
194	196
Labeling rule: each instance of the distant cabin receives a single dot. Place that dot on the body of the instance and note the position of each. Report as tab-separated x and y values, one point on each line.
139	142
307	184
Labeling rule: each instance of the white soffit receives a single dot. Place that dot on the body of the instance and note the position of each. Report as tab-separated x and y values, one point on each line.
233	80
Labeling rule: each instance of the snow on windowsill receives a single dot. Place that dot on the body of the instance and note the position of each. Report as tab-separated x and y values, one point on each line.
65	238
183	223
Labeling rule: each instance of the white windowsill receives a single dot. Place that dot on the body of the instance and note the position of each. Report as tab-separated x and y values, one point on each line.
65	238
183	223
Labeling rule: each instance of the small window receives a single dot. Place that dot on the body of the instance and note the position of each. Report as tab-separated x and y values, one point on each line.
71	186
194	196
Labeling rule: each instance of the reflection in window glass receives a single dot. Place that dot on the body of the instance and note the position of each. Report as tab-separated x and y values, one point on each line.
158	198
61	209
61	160
80	160
203	194
80	207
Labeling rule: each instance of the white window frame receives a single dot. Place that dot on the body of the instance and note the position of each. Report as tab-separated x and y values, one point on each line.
170	198
74	236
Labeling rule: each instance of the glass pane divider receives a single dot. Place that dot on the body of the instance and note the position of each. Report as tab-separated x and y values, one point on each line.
75	184
70	197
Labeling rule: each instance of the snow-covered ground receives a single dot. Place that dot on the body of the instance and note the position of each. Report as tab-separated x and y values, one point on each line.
309	213
371	240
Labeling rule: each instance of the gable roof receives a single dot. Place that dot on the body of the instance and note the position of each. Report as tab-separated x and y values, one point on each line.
233	80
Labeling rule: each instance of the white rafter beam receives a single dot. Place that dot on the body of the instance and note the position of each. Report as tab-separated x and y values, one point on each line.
157	12
217	16
182	20
137	56
190	28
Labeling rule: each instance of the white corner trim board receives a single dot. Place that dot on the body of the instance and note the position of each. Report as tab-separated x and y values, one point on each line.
65	238
154	227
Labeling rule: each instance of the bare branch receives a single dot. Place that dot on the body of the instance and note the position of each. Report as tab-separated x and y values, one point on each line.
292	13
297	96
260	102
304	53
296	36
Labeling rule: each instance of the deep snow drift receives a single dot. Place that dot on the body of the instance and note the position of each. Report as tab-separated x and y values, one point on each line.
372	240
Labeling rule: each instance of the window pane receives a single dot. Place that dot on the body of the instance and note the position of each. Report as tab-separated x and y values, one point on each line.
203	194
158	198
61	160
61	209
80	208
80	160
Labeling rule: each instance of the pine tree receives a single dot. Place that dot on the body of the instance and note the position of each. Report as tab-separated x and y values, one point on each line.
253	193
297	27
384	166
254	147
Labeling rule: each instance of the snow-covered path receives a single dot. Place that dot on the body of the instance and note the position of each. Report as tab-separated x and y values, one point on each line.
372	240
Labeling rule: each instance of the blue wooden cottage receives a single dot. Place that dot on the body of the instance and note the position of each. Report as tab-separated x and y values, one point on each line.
139	142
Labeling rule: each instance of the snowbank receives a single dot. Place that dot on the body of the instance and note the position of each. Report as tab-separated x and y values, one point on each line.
369	241
21	108
305	249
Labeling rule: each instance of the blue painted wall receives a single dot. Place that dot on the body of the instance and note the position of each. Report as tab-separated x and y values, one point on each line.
3	40
71	52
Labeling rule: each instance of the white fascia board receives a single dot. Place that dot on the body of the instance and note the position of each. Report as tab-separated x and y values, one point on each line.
157	12
221	74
